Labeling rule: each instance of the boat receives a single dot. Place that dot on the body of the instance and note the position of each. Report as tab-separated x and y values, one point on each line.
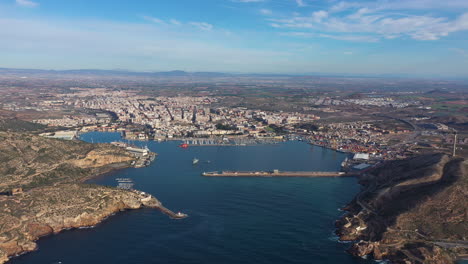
125	183
181	215
344	163
195	161
185	145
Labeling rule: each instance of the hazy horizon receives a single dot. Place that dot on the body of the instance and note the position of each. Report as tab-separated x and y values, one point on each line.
421	38
305	74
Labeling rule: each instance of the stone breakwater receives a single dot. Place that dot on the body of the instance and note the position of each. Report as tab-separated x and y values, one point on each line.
44	211
277	173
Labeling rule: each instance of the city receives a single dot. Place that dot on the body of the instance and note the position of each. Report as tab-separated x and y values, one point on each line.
234	131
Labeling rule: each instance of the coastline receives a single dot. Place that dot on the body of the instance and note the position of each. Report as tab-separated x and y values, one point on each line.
68	204
389	218
66	215
113	170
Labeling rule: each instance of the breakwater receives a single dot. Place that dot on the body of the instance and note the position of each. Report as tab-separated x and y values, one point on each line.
277	173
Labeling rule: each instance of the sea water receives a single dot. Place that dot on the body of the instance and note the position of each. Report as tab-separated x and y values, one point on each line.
231	220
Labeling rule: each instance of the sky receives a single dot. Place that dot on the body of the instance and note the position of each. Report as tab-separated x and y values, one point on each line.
400	37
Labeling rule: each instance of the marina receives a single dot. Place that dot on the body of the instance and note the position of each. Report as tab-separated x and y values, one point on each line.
143	156
229	141
125	183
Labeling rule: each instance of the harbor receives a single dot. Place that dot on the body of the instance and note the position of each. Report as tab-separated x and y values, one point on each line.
143	156
229	141
220	208
277	173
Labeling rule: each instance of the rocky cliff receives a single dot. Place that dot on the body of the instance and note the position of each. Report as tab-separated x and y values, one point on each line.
50	172
42	211
410	211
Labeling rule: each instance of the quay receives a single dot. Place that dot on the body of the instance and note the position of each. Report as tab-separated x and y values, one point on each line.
143	156
277	173
228	141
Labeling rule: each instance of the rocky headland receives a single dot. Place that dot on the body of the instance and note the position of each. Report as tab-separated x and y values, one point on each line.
42	190
410	211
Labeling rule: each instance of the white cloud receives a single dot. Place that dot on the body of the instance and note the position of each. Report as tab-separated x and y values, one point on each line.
318	16
381	24
341	6
175	22
400	5
39	43
266	12
202	25
301	3
153	20
26	3
352	38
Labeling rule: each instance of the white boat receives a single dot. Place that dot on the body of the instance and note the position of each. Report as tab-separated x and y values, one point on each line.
195	161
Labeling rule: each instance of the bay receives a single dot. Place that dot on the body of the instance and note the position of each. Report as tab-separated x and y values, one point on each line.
231	220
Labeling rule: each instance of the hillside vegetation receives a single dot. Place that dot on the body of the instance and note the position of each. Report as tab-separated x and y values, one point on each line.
29	161
411	211
51	172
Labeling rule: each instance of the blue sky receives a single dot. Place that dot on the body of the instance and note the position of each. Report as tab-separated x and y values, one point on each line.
411	37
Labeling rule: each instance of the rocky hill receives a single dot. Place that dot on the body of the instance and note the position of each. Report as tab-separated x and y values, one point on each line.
410	211
17	125
49	172
42	211
30	161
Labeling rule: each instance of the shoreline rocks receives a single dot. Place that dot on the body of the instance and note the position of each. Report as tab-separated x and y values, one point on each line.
88	206
406	208
49	173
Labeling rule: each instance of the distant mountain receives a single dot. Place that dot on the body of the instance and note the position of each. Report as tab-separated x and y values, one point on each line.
96	72
179	73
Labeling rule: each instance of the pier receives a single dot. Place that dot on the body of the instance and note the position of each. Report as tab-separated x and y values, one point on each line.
228	141
149	201
171	214
277	173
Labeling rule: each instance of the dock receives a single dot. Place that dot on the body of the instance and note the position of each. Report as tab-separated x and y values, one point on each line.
277	173
228	142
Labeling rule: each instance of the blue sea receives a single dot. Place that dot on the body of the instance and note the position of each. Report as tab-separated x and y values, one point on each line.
231	220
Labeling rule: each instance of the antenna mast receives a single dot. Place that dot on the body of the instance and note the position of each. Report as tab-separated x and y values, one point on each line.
454	144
